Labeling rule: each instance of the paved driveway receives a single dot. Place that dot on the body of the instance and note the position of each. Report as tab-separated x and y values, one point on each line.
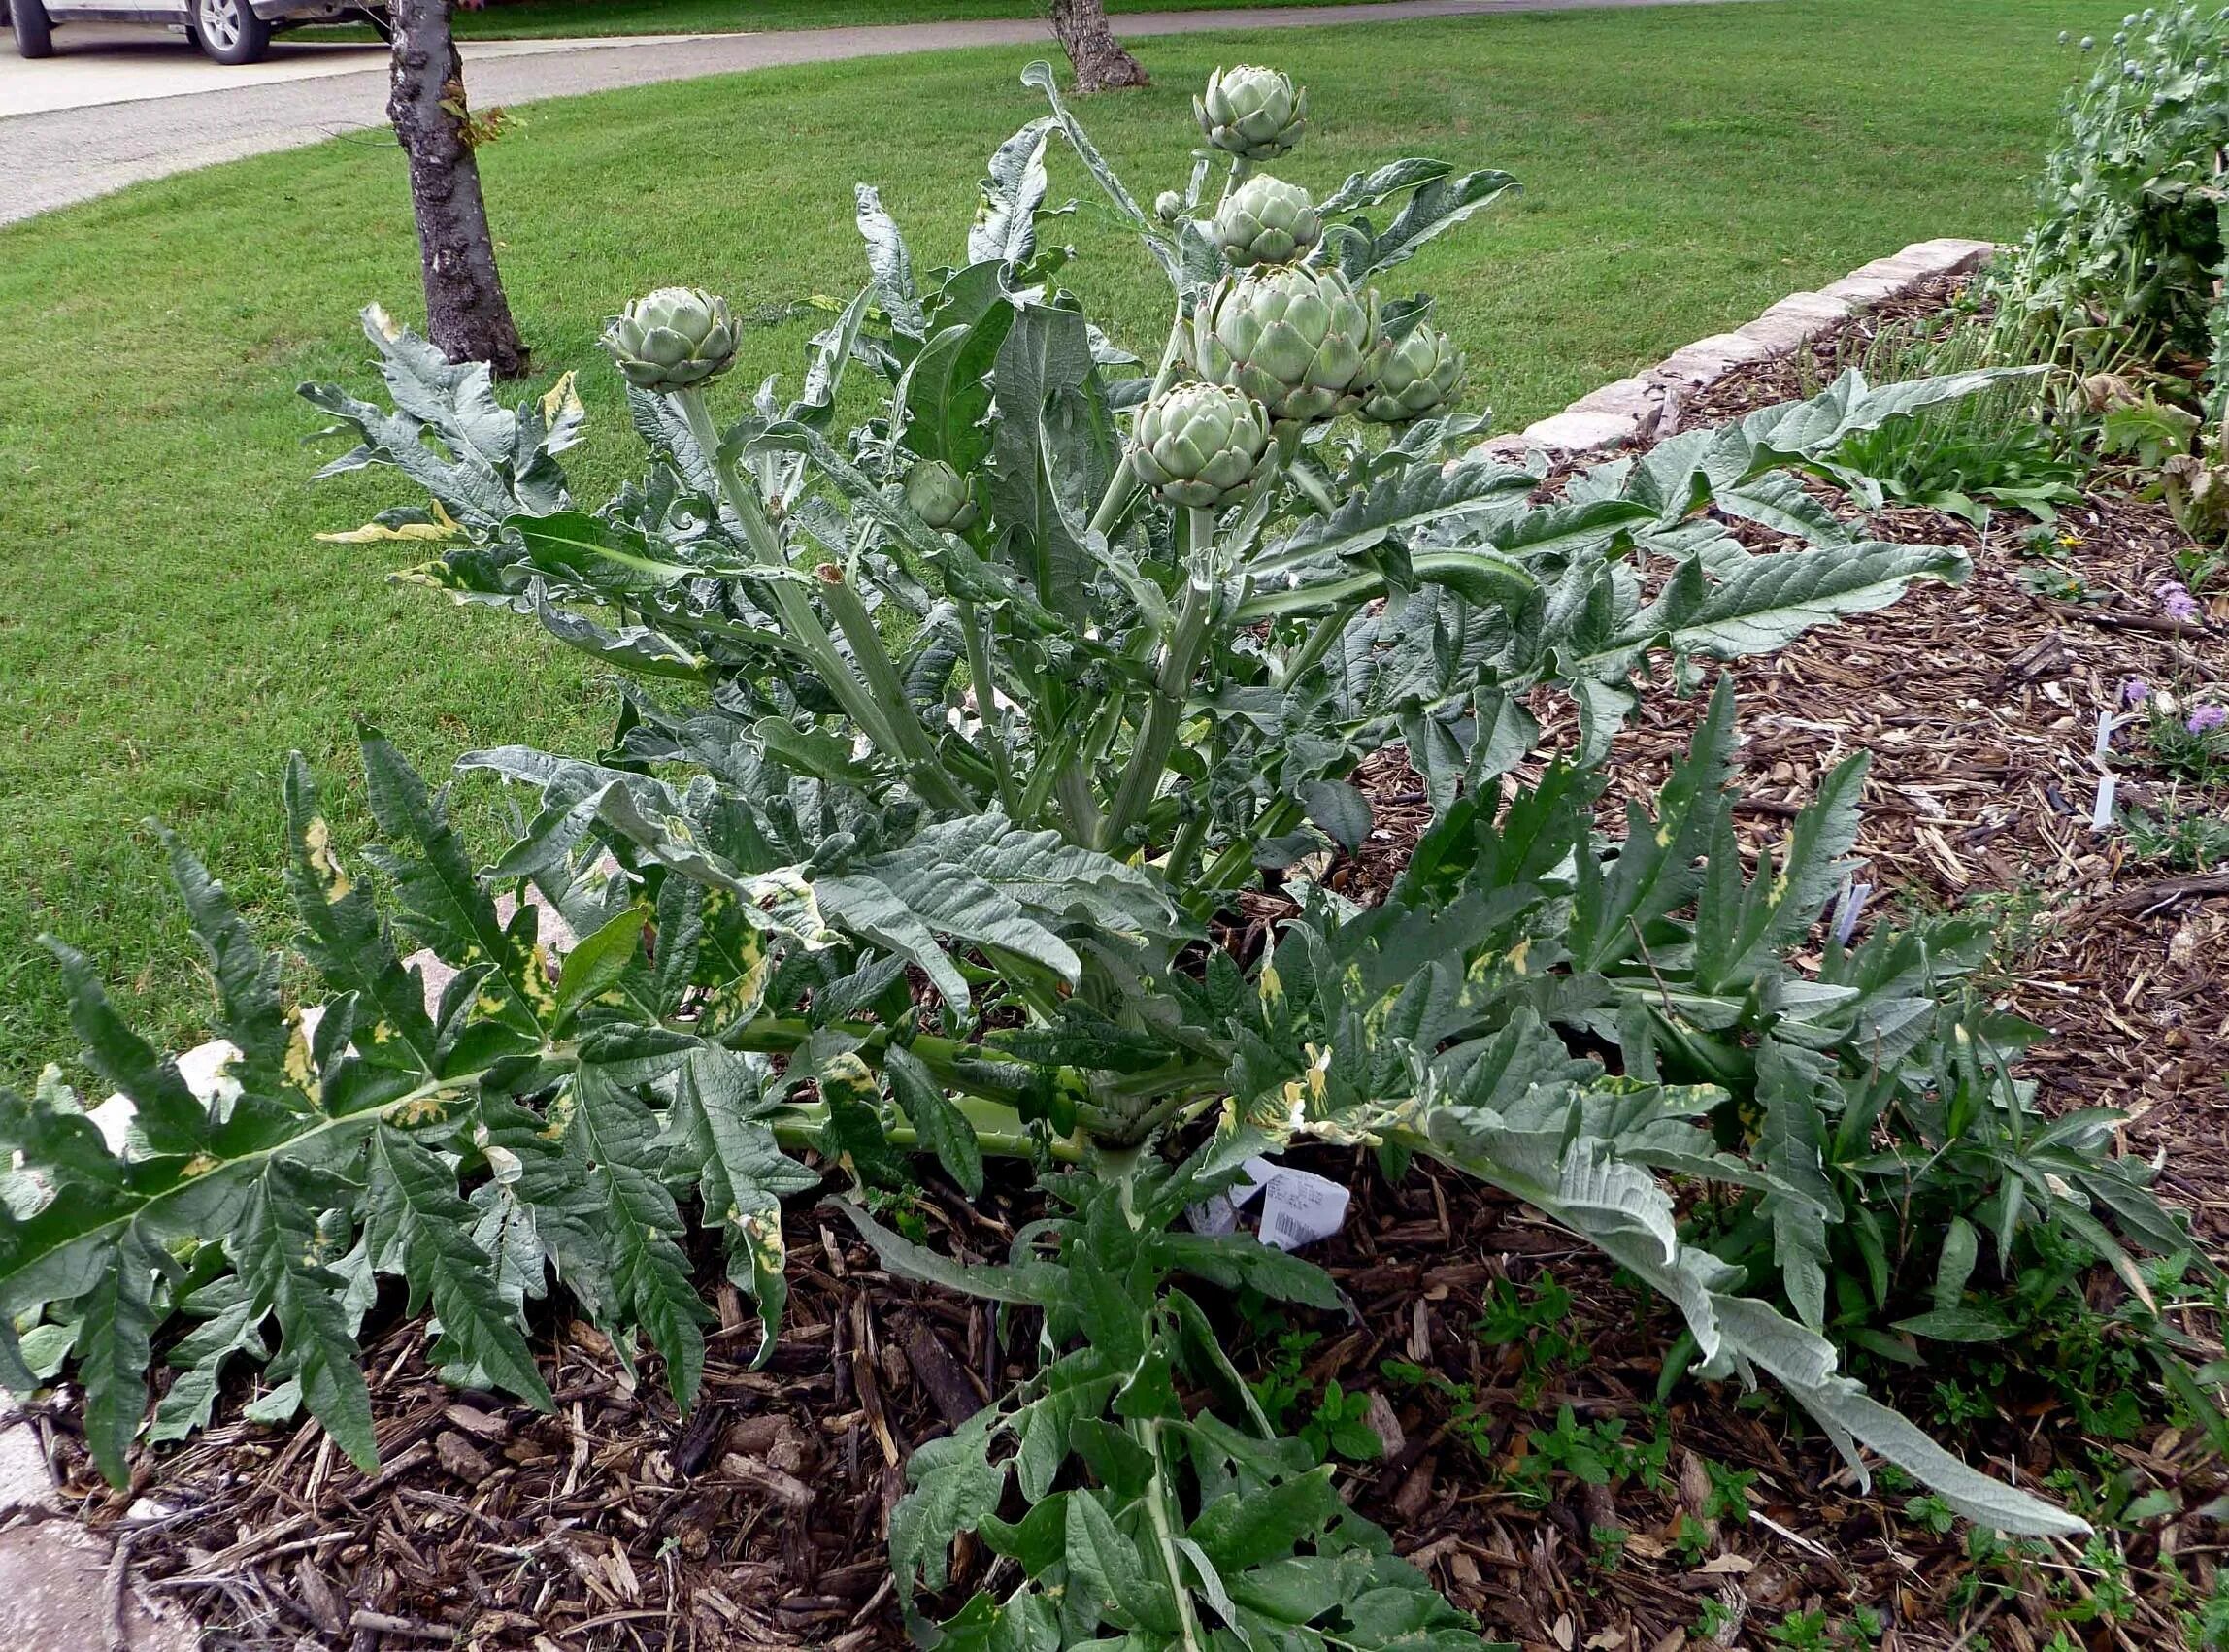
115	106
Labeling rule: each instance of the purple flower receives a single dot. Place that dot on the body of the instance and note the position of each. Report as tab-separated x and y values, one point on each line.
2207	718
2135	691
2176	600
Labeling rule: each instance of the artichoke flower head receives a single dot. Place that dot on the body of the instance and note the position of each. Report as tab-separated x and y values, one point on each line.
1266	221
1417	376
1298	340
1199	445
672	339
1252	112
939	495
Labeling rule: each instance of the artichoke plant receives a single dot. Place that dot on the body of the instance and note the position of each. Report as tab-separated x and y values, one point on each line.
939	495
673	338
798	834
1297	340
1266	221
1200	445
1417	376
1252	112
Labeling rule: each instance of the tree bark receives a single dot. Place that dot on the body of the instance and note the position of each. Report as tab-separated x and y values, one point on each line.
467	315
1100	63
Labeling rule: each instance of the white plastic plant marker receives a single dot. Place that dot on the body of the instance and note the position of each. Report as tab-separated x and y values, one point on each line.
1298	1206
2101	812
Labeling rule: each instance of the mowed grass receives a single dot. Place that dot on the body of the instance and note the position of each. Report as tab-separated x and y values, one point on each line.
534	18
170	628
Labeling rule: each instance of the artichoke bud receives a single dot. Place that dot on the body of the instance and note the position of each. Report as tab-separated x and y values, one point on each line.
1254	113
672	339
1417	376
1199	445
939	495
1266	221
1168	206
1299	341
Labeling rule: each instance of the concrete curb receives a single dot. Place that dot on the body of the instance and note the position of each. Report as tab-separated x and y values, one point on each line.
1647	404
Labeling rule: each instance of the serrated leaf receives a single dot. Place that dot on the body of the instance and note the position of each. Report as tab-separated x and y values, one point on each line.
614	1134
445	905
115	1320
721	1114
1240	1532
344	937
1106	1570
275	1250
421	1230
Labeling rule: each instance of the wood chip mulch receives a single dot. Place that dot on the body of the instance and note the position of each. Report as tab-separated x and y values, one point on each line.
759	1521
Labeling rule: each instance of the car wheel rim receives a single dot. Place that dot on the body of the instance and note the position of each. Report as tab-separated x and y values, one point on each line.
220	21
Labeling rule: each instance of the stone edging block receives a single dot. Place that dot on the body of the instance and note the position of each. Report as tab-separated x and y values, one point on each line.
1648	404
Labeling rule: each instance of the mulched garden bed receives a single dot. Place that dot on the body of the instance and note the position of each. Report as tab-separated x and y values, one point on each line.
758	1522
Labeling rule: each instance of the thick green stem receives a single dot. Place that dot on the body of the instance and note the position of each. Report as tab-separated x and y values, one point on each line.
883	716
1181	853
1242	169
1172	688
1079	809
1278	817
1173	357
1322	636
999	1131
1116	1127
972	627
915	749
1158	1496
1121	488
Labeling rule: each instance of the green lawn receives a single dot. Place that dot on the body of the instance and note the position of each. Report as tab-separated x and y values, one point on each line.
536	17
169	627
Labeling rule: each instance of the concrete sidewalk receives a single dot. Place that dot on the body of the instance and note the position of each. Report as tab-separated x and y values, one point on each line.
115	106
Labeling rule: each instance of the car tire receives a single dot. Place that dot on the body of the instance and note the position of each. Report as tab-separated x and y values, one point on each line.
229	30
34	34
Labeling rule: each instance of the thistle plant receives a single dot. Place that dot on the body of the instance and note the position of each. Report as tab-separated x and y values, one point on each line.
947	737
2122	267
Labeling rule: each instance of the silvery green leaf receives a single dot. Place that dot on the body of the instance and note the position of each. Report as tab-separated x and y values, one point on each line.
1004	226
890	261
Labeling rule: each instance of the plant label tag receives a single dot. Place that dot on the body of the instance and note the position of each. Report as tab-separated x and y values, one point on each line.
1300	1207
2101	812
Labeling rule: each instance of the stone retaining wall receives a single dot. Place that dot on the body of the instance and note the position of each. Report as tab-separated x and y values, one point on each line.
1647	404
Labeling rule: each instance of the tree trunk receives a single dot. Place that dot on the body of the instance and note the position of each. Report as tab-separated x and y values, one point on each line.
1100	63
467	315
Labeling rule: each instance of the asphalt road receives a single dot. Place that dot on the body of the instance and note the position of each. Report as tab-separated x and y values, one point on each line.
115	106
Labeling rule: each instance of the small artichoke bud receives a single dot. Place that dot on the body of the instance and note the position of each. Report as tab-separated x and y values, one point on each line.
1168	206
939	495
673	338
1200	445
1254	113
1266	221
1415	376
1297	340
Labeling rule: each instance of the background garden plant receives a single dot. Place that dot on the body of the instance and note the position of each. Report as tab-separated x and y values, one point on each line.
953	735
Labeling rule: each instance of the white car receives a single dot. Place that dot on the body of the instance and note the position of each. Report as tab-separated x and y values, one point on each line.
231	31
